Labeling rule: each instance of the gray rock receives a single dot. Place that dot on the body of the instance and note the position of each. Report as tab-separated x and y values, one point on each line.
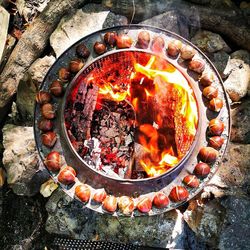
220	60
210	42
29	86
90	18
241	54
20	160
238	79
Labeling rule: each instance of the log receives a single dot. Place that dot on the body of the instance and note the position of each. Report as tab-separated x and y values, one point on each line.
4	24
30	47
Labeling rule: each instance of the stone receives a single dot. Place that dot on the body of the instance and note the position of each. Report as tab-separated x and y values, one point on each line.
72	27
240	130
4	25
29	86
238	79
48	187
20	159
210	42
220	60
241	54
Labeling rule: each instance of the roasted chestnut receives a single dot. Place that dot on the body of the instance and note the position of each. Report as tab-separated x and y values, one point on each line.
49	139
143	39
197	65
202	169
191	181
216	127
53	161
210	92
99	195
216	104
126	204
56	88
110	203
82	191
75	65
45	125
123	41
144	205
43	97
207	79
178	193
216	142
48	111
187	52
67	175
208	154
110	38
99	48
158	44
82	51
174	48
64	74
160	200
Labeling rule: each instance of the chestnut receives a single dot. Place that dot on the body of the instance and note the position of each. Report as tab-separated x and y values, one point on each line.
82	192
99	48
158	44
216	127
216	142
178	193
208	154
56	88
45	125
202	169
197	65
160	200
123	41
75	65
64	74
47	111
216	104
174	48
207	79
187	52
43	97
144	205
53	161
110	203
110	38
82	51
99	195
49	139
126	204
210	92
143	39
191	181
67	175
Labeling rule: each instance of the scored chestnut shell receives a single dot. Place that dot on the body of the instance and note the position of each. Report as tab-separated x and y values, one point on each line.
45	125
56	88
202	169
49	139
48	111
67	175
143	39
191	181
207	79
208	154
83	192
160	200
75	65
99	48
53	161
216	142
174	48
216	127
216	104
126	204
197	65
123	41
158	44
187	52
110	203
99	195
110	38
210	92
144	205
64	74
43	97
82	51
178	193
